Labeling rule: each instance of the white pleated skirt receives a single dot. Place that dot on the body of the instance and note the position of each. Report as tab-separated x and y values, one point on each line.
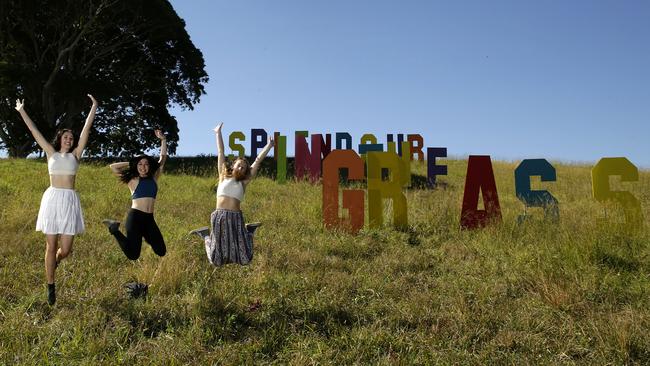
60	212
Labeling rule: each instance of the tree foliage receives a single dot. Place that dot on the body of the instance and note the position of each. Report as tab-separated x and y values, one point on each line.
134	56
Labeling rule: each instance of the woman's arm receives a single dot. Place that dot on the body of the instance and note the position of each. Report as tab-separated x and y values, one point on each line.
83	138
40	140
163	152
258	161
117	168
221	157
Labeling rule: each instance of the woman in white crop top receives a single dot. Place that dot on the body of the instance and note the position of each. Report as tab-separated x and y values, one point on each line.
231	241
60	217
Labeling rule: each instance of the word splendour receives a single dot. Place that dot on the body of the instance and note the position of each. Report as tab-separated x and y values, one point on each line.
387	172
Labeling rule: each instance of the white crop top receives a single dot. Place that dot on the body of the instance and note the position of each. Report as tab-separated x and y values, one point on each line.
231	187
62	164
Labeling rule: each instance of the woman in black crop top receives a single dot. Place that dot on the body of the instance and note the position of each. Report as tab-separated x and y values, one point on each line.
140	174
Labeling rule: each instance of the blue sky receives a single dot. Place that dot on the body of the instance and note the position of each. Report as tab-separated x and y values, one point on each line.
559	80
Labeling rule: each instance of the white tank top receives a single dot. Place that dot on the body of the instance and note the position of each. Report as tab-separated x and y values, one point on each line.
231	187
62	164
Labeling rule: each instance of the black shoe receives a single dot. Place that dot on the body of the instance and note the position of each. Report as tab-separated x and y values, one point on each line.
136	289
112	225
202	232
51	294
252	227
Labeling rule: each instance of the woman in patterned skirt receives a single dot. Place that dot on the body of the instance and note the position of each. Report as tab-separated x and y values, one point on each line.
230	240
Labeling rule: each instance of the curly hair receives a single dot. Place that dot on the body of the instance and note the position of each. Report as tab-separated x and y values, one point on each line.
132	172
56	142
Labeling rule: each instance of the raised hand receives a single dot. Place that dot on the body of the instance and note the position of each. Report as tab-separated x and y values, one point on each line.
270	140
20	104
93	100
218	128
159	134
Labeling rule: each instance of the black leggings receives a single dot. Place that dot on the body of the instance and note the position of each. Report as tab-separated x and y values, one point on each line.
140	224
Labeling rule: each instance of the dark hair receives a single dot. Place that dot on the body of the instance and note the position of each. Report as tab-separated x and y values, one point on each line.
127	174
56	143
228	173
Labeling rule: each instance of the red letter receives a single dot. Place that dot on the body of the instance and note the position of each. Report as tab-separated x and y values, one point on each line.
310	161
416	148
480	177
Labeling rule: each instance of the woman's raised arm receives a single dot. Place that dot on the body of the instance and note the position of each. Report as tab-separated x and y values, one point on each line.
85	132
258	161
40	140
221	159
117	168
163	152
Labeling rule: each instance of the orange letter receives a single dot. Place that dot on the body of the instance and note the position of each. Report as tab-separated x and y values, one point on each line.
352	198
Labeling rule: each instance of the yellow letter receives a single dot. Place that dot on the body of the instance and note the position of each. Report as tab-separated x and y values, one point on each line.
622	167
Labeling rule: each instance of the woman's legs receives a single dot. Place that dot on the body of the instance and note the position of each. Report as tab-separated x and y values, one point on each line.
229	241
66	247
154	237
50	265
50	256
131	244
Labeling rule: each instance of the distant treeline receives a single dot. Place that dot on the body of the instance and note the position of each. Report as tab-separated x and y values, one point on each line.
200	165
206	166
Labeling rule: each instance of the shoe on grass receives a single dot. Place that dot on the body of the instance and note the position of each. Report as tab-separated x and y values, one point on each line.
136	289
251	227
202	232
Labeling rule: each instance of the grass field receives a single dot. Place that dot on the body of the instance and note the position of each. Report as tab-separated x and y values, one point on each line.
577	292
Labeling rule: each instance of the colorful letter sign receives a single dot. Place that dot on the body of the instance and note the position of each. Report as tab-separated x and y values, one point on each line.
480	178
622	167
234	146
417	143
352	198
369	143
388	172
343	136
405	162
307	161
378	190
258	140
432	169
530	198
400	139
280	155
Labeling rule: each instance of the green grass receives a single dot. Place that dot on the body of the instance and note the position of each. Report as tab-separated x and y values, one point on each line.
577	292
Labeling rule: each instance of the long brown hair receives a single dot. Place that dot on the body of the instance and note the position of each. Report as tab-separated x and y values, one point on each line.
227	172
132	172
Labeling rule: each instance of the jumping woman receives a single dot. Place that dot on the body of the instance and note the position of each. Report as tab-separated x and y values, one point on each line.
140	174
230	240
60	217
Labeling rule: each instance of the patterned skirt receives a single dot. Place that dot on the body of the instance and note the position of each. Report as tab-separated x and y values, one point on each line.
229	241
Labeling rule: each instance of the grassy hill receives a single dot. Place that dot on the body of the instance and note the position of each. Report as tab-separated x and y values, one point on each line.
538	293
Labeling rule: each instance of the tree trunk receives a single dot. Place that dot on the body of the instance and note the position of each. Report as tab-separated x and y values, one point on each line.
17	152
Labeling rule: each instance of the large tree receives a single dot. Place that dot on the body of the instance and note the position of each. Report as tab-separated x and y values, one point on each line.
134	56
